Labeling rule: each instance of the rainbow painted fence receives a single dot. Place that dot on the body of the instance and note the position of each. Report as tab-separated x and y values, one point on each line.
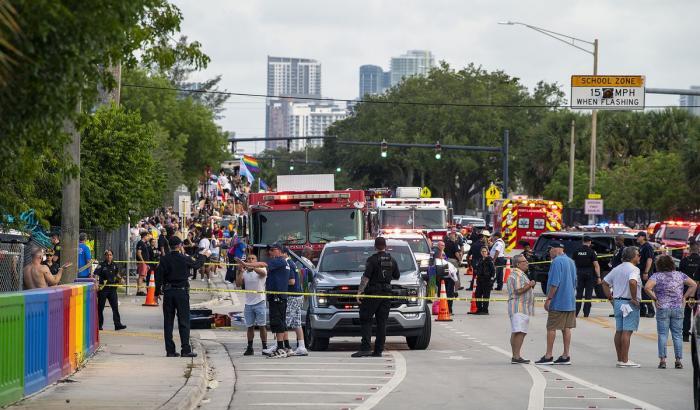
45	334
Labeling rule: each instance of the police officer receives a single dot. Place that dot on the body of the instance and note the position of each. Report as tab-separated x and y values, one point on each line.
588	274
690	265
380	270
172	283
108	274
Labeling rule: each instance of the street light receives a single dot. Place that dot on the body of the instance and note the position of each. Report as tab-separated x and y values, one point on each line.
571	41
338	170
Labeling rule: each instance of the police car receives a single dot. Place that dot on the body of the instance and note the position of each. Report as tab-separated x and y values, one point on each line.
418	243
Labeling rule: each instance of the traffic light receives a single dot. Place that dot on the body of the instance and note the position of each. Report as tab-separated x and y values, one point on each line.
385	146
438	150
291	165
338	170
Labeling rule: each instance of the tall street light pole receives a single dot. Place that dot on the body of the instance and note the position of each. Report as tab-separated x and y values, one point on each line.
572	41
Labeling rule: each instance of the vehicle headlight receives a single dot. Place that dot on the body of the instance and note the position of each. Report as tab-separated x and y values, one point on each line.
413	296
424	263
321	300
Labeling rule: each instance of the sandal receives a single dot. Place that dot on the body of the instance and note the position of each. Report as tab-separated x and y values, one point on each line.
662	365
679	365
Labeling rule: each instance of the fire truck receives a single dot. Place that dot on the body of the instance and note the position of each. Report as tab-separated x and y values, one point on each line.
408	212
525	219
306	218
675	235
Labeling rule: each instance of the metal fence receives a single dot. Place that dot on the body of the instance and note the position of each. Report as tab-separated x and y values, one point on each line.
12	256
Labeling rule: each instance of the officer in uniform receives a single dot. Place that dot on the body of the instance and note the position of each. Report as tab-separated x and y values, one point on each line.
588	274
690	265
380	270
172	282
108	274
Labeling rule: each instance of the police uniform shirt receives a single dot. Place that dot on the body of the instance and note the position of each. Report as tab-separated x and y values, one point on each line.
690	265
645	252
380	269
451	248
174	270
584	258
108	273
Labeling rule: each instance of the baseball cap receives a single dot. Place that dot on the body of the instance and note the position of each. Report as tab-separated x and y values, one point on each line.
587	239
556	245
641	233
485	233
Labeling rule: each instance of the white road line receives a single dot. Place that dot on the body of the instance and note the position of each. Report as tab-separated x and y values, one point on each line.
312	384
399	375
306	363
314	392
292	369
305	404
582	398
539	383
636	402
325	376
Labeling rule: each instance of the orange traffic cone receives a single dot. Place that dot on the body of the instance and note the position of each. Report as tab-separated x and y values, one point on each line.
473	309
444	312
151	295
506	273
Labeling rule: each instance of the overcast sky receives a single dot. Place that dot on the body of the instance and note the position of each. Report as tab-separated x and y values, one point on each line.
658	39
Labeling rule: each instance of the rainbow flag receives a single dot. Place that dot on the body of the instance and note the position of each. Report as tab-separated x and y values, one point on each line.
251	163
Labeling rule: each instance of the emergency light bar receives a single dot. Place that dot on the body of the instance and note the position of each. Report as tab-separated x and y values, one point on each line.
399	202
286	197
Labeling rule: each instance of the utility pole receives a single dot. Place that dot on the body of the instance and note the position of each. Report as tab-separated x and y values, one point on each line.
504	147
70	208
572	151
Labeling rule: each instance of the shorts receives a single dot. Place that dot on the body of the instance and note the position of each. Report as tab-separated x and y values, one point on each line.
294	311
142	269
278	314
519	323
255	315
561	320
630	323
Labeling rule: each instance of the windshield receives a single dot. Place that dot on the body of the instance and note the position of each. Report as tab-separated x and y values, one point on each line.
413	219
334	225
678	234
353	258
543	243
284	226
418	245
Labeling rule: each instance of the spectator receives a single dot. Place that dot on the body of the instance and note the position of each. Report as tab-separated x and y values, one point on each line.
453	251
155	254
443	269
255	311
690	265
665	287
521	305
498	253
307	254
163	246
646	262
84	258
560	303
205	244
626	294
485	273
37	275
143	255
294	306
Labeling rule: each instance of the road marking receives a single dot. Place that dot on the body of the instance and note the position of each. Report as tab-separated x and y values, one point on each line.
315	384
314	392
292	369
539	383
305	404
286	376
305	363
399	375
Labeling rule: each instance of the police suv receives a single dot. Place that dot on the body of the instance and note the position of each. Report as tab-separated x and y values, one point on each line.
338	274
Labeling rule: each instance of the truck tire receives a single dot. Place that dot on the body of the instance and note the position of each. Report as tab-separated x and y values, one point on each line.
421	341
316	344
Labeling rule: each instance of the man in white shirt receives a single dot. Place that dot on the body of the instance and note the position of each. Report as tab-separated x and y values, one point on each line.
498	254
626	283
255	310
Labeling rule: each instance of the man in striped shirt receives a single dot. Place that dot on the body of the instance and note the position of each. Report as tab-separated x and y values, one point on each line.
521	305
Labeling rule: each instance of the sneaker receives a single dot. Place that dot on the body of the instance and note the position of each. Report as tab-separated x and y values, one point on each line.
269	351
545	360
519	361
376	354
563	360
630	363
301	351
118	327
678	365
620	364
362	353
278	354
189	354
662	365
248	351
289	352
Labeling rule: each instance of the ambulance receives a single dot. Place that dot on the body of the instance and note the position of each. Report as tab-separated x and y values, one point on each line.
525	219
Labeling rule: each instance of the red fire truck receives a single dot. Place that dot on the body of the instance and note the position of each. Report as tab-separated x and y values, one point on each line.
411	213
525	219
307	218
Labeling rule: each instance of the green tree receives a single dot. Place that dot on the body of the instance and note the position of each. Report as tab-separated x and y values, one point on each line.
558	187
119	175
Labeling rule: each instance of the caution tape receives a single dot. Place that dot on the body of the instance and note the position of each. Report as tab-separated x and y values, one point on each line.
362	296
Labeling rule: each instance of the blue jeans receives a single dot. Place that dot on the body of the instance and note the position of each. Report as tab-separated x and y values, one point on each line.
673	319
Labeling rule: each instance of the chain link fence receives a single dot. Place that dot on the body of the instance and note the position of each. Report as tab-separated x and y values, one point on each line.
12	256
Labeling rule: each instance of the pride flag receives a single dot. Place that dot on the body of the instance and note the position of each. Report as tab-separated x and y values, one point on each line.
251	163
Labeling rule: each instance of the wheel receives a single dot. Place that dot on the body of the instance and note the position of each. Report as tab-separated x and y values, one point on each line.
316	344
421	341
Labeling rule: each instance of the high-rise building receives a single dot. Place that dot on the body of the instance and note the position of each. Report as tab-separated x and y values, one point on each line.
311	119
373	80
414	62
691	102
292	77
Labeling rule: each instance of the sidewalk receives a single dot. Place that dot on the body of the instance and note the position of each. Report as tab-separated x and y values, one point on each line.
130	369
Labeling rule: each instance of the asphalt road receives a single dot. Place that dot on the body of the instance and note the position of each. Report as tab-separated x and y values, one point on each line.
466	366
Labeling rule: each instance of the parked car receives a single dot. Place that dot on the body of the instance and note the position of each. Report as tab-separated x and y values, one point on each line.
340	267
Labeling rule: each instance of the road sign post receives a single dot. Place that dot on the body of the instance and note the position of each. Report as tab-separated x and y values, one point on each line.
607	92
492	194
593	207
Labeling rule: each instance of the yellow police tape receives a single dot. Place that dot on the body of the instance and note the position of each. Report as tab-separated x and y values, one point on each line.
354	296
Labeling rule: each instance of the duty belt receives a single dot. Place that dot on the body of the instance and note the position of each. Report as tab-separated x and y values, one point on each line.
168	287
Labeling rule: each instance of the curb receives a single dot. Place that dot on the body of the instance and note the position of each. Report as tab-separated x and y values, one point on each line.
191	394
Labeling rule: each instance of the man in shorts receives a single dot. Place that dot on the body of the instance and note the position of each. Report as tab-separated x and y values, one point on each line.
521	305
143	255
255	310
294	305
626	282
561	303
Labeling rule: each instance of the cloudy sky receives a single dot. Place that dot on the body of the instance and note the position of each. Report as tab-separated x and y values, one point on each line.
658	39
